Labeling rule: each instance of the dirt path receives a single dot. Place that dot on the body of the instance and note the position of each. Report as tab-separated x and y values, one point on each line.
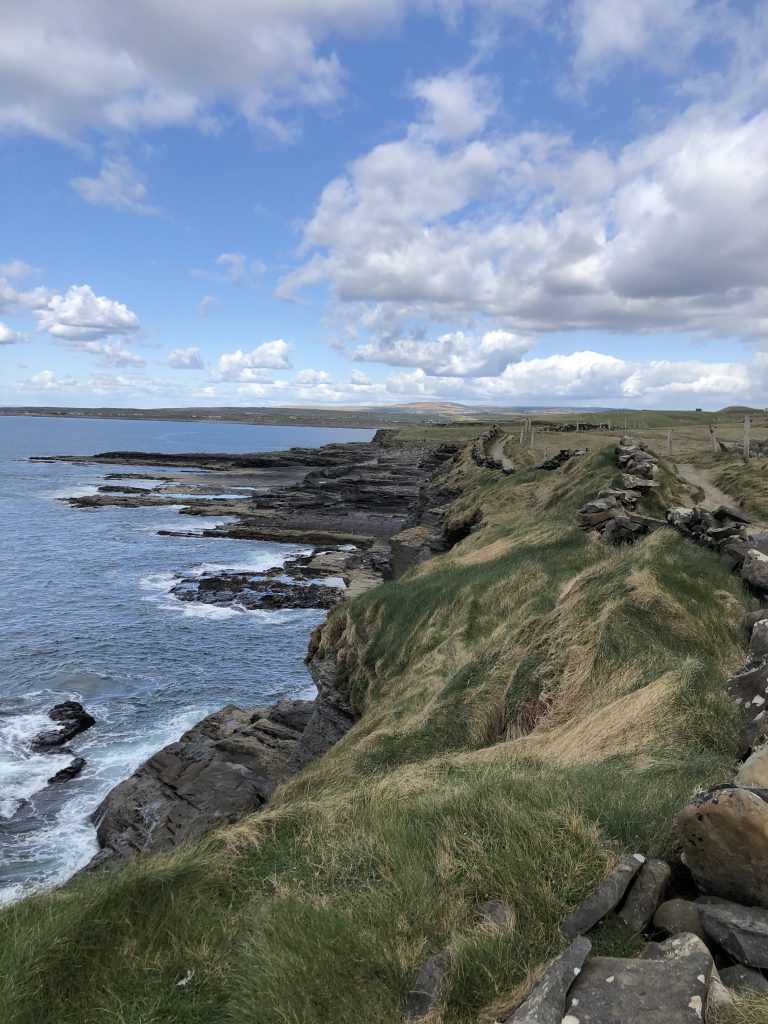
700	478
497	452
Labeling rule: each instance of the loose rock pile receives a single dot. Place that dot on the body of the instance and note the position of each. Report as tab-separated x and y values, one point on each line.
568	428
563	456
613	513
757	449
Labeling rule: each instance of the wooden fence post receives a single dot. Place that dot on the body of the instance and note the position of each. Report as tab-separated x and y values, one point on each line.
747	422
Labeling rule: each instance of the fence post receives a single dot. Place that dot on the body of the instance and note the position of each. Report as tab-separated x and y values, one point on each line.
712	436
669	441
747	422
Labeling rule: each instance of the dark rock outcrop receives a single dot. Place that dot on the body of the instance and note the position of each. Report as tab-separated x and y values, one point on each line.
72	718
222	768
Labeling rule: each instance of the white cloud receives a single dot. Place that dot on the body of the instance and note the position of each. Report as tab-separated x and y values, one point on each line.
207	305
112	352
235	268
8	336
456	354
112	66
46	380
118	185
535	234
458	105
186	359
80	315
248	366
609	31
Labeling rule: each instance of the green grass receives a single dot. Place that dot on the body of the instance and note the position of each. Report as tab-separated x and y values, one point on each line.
534	704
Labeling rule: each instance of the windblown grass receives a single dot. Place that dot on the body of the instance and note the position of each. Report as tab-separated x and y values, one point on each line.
534	705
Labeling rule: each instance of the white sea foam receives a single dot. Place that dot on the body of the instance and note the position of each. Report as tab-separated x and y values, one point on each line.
76	491
22	772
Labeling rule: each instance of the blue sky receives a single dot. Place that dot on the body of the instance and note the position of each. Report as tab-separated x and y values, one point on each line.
267	202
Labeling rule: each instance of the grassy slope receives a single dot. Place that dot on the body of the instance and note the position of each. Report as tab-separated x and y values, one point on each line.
535	704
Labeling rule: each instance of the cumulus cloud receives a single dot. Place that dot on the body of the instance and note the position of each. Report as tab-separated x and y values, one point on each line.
81	315
458	104
248	366
186	359
584	377
536	234
454	354
8	336
113	66
610	31
118	185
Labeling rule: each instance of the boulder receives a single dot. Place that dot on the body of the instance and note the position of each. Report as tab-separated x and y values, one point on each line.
743	979
546	1004
741	931
65	774
724	836
750	686
72	718
429	986
678	917
754	571
754	771
670	988
604	899
754	617
758	641
645	894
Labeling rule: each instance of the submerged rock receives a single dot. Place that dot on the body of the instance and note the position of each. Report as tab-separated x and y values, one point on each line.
72	718
70	772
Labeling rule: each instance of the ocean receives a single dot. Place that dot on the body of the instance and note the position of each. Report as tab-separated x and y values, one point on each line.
87	616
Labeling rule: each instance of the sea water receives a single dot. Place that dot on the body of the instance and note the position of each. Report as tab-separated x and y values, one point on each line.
87	615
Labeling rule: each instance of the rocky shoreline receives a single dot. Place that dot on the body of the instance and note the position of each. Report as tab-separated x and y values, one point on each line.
371	511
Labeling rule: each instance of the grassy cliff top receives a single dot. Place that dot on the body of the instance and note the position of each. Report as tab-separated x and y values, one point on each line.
534	704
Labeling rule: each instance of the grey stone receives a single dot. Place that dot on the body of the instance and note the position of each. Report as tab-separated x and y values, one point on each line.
604	899
754	771
741	931
743	979
546	1004
678	917
670	989
496	914
754	571
645	894
680	518
750	686
758	642
754	617
429	987
727	512
724	836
